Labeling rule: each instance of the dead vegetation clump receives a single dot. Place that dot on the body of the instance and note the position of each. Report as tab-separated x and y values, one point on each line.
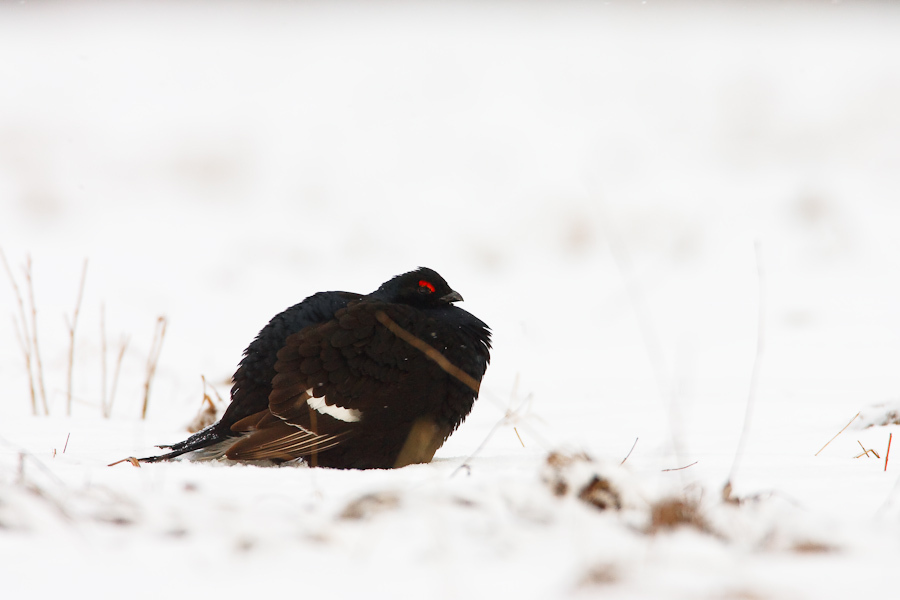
671	513
578	474
209	410
812	547
600	493
369	505
600	575
26	328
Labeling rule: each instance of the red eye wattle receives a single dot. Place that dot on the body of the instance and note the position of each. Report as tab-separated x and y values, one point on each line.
425	285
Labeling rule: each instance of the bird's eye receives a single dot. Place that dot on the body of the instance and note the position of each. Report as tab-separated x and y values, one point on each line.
425	287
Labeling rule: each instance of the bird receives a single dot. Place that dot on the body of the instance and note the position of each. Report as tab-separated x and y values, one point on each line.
349	381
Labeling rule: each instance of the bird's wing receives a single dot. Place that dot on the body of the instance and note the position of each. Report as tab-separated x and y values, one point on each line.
337	377
268	437
253	378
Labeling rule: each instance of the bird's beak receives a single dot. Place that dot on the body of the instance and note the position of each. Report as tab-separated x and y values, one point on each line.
452	297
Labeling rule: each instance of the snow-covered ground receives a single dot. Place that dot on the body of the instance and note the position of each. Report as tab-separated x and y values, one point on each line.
595	179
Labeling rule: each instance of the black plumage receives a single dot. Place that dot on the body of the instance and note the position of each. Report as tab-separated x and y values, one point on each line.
355	382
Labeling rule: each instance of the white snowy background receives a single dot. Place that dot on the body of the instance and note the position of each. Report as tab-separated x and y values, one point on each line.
594	178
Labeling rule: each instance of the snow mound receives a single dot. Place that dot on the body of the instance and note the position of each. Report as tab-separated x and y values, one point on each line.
879	415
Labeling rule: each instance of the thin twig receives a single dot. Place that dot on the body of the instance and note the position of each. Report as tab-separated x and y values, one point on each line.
152	360
866	452
103	410
519	436
652	345
428	351
465	463
888	453
757	360
23	454
115	379
23	335
629	452
681	468
71	326
513	394
132	460
510	416
67	442
39	368
837	434
25	345
215	391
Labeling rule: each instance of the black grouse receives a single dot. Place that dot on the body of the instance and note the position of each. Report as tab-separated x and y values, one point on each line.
349	381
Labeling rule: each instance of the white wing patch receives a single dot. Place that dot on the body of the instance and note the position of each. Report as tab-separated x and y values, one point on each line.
348	415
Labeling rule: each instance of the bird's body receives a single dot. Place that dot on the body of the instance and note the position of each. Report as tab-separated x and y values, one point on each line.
349	381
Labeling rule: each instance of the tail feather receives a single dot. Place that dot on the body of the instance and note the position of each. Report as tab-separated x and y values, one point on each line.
204	442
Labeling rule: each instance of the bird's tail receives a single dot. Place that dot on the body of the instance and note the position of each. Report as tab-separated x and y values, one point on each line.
207	443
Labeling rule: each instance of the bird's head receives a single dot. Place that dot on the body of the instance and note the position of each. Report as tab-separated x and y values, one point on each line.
422	287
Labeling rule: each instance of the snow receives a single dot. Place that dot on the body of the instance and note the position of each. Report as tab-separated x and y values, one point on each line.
593	179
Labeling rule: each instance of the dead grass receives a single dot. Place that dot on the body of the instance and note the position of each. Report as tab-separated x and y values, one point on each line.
369	505
563	477
671	513
208	413
837	434
25	324
26	333
71	325
887	453
600	575
159	335
600	493
811	547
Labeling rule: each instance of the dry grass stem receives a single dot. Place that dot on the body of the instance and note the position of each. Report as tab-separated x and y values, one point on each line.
865	452
888	452
681	468
465	463
629	452
106	402
428	351
25	346
123	346
837	434
728	494
451	370
670	513
207	414
68	435
22	332
39	368
134	462
757	361
103	361
519	436
649	334
215	391
511	416
71	327
152	359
